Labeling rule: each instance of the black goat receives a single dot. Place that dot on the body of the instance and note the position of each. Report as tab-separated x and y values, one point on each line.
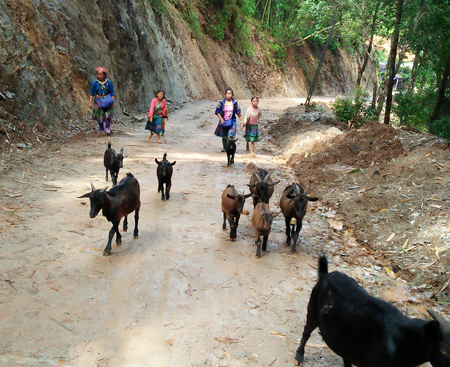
232	207
164	173
115	204
262	223
369	332
231	150
293	204
261	186
113	163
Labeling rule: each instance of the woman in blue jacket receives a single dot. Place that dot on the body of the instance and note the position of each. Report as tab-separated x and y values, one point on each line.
226	110
101	87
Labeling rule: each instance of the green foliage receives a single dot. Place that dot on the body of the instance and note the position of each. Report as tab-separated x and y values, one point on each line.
441	127
191	17
158	6
352	110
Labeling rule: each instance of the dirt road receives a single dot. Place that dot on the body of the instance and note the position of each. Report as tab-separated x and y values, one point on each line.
182	294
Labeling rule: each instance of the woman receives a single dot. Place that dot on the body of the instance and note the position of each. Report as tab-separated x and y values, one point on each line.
157	110
100	88
251	121
226	111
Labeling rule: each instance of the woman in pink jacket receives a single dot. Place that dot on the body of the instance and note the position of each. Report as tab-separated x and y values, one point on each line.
158	109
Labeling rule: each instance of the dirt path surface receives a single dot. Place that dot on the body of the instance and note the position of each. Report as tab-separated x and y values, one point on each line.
182	294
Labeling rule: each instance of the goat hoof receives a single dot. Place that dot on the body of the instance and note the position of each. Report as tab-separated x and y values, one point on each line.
135	237
118	243
106	253
258	257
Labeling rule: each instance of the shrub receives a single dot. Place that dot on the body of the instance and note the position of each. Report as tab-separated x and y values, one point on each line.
352	110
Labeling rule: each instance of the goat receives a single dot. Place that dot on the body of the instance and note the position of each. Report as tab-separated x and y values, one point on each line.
232	207
262	223
115	204
293	204
369	332
164	173
113	163
231	150
261	186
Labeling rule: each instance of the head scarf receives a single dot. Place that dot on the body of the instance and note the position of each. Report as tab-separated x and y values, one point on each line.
103	70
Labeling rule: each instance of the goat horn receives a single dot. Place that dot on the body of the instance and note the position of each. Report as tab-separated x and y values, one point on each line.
257	176
92	186
306	190
444	324
266	179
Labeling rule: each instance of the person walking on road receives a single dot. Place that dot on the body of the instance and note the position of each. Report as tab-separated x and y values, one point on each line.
100	88
250	125
158	109
226	111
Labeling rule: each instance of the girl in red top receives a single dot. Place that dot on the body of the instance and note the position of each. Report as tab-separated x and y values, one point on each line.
158	109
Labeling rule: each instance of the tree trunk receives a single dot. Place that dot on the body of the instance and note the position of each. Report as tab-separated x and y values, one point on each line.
369	48
441	93
391	64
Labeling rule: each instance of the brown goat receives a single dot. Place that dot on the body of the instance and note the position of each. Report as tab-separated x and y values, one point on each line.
232	207
262	223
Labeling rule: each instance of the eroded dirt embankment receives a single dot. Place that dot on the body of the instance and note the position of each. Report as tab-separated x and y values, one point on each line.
183	293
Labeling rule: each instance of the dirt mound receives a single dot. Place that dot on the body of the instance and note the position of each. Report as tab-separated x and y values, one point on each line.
389	186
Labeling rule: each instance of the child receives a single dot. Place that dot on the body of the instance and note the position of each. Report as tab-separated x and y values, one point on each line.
251	121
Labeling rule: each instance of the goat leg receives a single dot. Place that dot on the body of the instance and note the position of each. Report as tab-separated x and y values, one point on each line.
264	246
107	250
288	231
258	247
168	186
163	196
232	159
224	227
136	221
118	236
295	236
309	328
106	174
125	224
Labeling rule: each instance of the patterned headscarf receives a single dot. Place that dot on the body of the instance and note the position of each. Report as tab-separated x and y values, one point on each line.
102	70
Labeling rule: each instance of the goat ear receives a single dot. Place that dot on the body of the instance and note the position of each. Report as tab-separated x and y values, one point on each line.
433	330
248	195
84	196
251	185
444	324
235	140
312	198
173	164
274	183
231	196
156	160
290	196
276	214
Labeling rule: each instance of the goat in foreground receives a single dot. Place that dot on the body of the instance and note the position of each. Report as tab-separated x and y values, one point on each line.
164	173
232	207
231	150
262	223
369	332
261	186
115	204
293	204
113	163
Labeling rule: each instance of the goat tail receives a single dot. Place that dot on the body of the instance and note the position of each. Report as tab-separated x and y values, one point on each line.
165	155
109	144
323	266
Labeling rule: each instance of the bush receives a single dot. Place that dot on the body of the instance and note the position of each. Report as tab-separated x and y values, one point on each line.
352	110
441	127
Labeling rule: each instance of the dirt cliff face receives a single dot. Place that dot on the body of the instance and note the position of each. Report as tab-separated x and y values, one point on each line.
49	51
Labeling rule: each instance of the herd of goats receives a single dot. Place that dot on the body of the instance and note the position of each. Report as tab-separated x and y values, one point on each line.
365	331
